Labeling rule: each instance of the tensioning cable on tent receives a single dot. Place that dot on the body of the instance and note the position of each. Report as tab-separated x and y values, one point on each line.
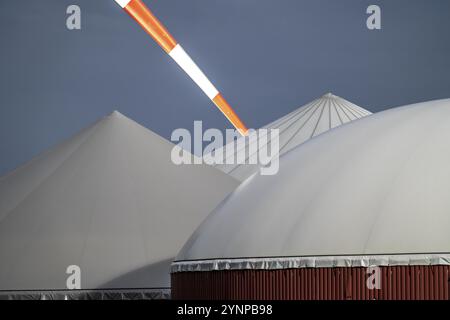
142	14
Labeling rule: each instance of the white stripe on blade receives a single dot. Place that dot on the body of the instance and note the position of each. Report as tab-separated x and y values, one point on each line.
123	3
185	62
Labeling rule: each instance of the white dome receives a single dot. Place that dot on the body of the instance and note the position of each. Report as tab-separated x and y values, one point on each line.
302	124
108	200
377	186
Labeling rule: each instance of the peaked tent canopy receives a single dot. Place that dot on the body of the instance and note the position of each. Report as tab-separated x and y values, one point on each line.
306	122
108	200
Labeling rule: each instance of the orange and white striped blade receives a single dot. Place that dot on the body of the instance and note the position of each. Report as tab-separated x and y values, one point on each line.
142	14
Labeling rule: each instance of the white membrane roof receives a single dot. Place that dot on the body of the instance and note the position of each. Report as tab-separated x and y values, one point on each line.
108	200
302	124
377	188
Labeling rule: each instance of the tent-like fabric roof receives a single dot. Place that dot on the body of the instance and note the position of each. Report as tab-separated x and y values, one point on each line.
108	200
306	122
377	187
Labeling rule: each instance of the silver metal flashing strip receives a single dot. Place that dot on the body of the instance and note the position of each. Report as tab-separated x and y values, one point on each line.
310	262
97	294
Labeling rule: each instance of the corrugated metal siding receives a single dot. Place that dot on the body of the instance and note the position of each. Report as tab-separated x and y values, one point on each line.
397	282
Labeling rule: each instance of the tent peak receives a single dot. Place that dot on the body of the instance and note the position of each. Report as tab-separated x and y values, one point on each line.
116	113
329	95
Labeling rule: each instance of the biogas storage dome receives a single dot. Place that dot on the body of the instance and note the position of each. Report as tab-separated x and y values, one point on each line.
107	207
373	193
320	115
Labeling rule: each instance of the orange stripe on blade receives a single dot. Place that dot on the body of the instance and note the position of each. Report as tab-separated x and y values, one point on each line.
142	14
226	109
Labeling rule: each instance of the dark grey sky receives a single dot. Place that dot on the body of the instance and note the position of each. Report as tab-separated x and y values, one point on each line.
266	56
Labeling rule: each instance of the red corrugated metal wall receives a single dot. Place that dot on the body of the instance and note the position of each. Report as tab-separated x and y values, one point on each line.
397	282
